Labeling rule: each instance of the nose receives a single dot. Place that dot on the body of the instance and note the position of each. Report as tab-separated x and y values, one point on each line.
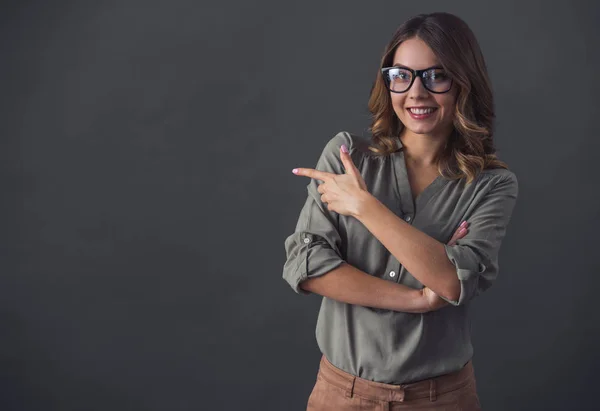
417	90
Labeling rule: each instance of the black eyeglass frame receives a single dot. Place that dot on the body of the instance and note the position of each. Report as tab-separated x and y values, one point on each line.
415	74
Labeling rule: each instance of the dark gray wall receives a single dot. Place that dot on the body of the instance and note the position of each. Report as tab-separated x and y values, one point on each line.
147	150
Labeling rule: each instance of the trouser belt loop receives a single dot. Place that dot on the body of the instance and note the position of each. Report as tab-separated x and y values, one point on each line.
350	390
432	391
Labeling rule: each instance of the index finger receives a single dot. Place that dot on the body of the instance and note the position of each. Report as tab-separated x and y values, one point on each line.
312	173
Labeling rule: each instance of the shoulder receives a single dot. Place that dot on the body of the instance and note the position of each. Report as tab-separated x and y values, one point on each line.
352	141
330	157
501	179
357	145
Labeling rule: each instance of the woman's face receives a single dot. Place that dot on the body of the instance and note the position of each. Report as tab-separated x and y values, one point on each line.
416	54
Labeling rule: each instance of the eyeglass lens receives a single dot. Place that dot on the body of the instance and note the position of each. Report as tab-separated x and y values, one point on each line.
436	80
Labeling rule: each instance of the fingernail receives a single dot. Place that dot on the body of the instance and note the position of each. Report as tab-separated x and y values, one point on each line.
295	171
463	223
344	148
462	230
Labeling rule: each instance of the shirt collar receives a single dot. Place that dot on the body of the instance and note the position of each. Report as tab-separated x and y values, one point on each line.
398	143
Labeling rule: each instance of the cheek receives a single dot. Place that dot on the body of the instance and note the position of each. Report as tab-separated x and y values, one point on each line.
398	103
448	107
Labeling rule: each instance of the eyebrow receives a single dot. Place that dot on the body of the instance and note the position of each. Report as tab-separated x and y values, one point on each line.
406	67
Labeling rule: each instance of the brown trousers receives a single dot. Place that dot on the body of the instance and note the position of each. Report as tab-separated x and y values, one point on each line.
338	390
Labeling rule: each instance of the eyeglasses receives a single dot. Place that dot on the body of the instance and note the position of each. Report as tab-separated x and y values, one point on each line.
400	79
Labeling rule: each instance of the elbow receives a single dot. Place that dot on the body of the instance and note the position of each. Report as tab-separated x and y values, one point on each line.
454	294
453	290
305	285
311	285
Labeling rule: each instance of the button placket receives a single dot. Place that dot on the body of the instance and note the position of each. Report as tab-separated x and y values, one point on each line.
408	205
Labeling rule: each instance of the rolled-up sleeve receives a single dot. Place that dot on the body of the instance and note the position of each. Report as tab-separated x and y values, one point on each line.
475	256
315	247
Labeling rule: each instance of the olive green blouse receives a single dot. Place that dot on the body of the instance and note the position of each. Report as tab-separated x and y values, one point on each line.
391	346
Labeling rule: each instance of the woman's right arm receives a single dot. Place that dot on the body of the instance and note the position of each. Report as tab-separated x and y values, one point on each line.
348	284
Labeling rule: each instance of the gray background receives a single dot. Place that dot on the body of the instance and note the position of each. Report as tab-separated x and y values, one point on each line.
147	150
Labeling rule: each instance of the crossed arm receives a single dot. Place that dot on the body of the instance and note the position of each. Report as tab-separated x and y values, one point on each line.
413	248
451	275
348	284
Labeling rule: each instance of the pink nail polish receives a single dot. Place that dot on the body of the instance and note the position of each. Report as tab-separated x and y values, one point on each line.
344	148
295	171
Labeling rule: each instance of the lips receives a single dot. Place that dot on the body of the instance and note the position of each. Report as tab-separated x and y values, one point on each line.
421	113
421	110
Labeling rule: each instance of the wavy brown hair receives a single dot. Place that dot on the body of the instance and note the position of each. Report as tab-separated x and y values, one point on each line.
470	147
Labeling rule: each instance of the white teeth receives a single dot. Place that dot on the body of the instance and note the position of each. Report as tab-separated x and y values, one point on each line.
421	110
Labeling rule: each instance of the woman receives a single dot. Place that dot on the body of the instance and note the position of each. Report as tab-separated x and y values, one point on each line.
383	234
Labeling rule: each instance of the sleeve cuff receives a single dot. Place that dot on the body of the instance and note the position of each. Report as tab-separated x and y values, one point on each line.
469	270
314	257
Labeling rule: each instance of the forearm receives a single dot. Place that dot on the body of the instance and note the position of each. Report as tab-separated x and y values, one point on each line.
348	284
423	256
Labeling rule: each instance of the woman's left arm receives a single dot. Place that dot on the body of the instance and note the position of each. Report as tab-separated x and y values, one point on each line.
423	256
459	272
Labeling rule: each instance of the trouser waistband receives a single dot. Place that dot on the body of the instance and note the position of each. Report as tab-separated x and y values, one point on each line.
391	392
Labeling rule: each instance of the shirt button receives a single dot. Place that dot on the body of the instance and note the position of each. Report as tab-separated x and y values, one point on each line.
307	240
407	218
392	273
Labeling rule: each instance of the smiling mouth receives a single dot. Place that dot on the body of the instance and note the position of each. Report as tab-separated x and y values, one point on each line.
421	111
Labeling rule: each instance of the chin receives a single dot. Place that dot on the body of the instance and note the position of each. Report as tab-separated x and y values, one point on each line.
420	129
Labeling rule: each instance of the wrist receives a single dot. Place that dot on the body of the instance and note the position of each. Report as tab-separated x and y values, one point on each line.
365	202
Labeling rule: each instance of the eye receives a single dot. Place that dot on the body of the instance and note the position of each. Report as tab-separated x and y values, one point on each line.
398	74
435	75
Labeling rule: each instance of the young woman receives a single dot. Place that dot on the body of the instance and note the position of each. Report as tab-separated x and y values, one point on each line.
383	235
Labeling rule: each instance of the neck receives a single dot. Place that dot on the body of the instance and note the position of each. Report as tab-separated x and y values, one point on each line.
422	149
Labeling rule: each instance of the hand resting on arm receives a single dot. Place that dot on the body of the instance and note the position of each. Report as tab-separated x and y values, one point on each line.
348	284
